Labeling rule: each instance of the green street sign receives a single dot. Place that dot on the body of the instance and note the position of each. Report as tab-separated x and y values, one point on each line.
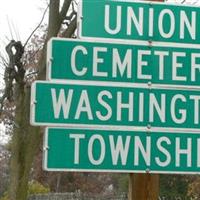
71	59
121	151
133	21
113	106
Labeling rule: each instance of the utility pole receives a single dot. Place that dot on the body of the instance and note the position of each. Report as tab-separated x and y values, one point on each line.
144	186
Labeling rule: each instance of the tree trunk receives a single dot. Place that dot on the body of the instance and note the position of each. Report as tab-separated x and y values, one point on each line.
26	138
25	142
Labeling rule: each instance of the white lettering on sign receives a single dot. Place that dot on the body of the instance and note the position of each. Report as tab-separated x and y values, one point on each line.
141	110
75	51
126	64
161	55
151	21
118	20
182	112
62	102
91	149
166	13
102	95
145	151
119	149
191	26
135	150
97	60
165	21
196	108
142	64
184	151
84	106
163	150
198	152
194	66
77	138
128	105
177	65
125	106
136	64
154	106
138	22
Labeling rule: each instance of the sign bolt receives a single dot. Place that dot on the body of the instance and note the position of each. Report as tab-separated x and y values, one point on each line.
45	148
34	102
147	170
149	84
148	126
150	43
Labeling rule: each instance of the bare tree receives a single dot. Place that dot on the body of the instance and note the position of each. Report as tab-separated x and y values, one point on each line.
26	139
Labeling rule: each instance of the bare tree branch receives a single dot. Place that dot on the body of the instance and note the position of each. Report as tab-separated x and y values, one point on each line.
54	19
14	71
37	26
3	61
55	22
195	2
64	9
67	20
32	73
26	139
70	29
10	28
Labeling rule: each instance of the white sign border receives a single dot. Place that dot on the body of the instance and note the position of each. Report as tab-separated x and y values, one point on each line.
147	171
49	60
129	41
97	126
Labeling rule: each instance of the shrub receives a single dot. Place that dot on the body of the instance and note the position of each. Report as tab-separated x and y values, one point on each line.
34	187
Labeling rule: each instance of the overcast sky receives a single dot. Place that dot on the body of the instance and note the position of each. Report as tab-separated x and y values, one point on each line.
24	15
19	17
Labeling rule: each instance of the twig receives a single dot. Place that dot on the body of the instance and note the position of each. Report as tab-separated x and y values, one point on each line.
71	28
37	26
194	2
32	73
10	28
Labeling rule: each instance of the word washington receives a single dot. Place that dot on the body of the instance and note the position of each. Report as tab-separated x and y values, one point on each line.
126	105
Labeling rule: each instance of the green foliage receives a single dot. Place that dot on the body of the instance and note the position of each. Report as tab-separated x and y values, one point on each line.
193	188
34	187
173	185
5	196
120	182
123	183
